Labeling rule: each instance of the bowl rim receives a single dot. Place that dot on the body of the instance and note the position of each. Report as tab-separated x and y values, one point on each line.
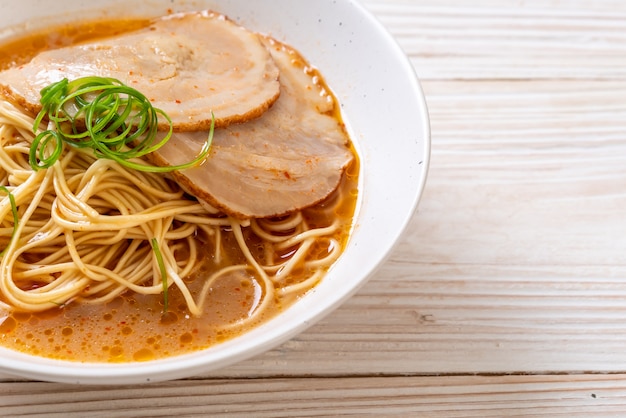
231	351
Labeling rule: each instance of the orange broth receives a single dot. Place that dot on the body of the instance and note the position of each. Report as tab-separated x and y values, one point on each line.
133	327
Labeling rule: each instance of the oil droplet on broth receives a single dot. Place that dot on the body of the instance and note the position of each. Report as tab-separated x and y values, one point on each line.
8	325
143	354
116	352
169	318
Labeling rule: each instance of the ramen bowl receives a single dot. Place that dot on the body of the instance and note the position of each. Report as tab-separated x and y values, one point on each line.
384	110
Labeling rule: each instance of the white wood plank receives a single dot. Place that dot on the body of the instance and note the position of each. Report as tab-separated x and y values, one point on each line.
509	40
526	177
465	396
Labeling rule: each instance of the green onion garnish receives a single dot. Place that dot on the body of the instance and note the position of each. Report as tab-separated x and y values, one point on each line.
161	263
116	121
15	217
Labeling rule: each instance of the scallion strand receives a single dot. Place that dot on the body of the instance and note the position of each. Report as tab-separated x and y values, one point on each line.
38	156
115	120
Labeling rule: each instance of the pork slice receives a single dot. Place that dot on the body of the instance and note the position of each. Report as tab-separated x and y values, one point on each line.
188	65
290	158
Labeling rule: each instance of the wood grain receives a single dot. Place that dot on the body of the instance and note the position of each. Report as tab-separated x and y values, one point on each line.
447	396
507	294
508	40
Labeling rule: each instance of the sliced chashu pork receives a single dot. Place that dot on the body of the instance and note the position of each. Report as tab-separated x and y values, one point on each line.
188	65
290	158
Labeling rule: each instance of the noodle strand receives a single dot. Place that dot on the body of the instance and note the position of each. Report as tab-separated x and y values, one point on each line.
88	229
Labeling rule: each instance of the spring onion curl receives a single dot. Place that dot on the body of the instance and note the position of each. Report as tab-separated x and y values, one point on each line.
118	122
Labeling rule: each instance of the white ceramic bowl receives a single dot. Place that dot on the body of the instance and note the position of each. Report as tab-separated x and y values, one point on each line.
384	108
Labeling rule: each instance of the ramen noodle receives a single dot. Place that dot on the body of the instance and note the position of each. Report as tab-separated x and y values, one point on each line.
240	212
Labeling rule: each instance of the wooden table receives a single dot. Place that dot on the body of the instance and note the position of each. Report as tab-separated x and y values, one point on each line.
507	294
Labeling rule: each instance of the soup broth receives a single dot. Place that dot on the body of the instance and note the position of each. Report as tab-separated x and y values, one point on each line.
137	327
134	328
